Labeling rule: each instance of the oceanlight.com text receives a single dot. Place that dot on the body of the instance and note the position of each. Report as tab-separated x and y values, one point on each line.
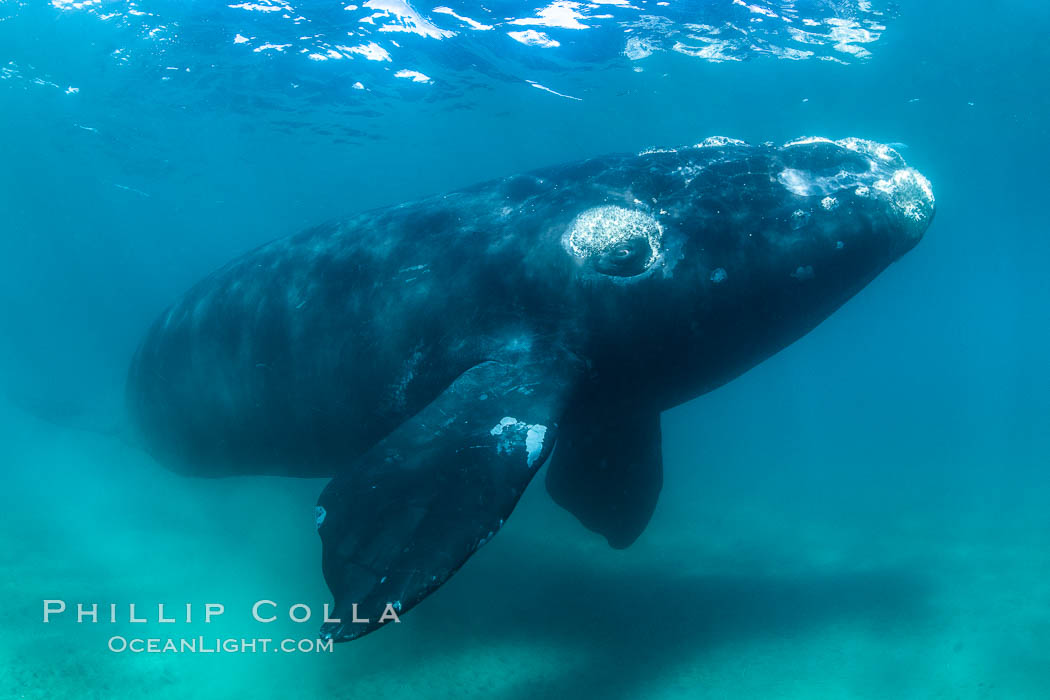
217	645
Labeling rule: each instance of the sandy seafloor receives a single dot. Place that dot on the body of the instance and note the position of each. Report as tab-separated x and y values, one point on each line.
762	582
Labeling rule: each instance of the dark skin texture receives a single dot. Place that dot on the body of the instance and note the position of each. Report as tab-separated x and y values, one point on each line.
346	350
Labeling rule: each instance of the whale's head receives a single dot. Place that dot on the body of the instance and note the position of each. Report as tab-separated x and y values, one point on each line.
723	253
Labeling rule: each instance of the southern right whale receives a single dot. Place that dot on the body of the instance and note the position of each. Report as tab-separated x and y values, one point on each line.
429	356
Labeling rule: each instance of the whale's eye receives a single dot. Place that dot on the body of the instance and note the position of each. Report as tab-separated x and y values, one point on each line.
616	241
626	258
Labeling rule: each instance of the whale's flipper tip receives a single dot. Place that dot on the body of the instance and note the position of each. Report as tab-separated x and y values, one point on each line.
409	514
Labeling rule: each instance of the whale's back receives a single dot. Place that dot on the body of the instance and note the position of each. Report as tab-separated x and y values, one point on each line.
294	358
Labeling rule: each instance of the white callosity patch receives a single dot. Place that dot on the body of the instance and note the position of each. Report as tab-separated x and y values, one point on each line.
873	149
887	176
319	515
651	151
601	228
510	434
909	193
796	181
807	140
719	141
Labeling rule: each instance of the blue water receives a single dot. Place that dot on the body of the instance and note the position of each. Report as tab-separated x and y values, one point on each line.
867	514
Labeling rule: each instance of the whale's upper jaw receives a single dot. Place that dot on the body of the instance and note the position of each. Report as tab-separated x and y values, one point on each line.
867	169
911	196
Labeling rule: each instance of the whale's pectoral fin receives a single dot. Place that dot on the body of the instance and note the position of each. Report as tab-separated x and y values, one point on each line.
400	522
608	472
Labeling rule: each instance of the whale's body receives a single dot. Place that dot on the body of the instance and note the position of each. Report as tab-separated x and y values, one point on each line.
427	356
